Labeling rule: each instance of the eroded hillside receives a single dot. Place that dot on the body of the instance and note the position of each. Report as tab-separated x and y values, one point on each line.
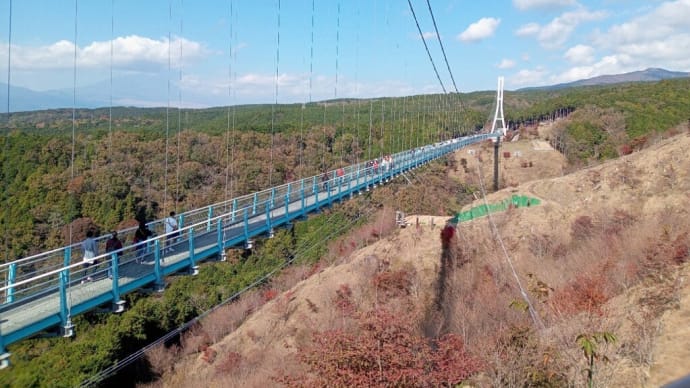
604	252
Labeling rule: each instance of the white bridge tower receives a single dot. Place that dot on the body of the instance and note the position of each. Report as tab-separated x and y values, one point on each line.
498	116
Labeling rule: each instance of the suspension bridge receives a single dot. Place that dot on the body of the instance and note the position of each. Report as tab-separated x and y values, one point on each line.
43	292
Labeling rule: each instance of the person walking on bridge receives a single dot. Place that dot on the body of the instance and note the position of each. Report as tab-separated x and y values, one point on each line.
142	234
171	232
90	252
111	245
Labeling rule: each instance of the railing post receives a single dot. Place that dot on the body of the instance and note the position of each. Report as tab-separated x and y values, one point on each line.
191	245
256	199
273	196
157	263
268	215
246	225
234	209
180	224
64	283
221	242
329	195
303	209
315	191
314	186
115	272
11	277
210	216
287	206
287	197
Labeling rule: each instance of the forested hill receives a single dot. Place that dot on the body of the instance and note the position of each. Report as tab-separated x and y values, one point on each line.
118	172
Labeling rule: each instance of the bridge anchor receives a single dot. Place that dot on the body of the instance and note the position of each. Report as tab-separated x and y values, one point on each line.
68	329
159	287
119	306
4	360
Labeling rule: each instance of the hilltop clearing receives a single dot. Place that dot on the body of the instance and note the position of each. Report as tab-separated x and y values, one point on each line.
605	252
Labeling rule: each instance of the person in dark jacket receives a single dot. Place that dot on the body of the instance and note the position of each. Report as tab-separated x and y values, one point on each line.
142	234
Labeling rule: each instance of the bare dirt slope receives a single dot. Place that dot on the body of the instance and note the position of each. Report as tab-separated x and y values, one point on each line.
645	184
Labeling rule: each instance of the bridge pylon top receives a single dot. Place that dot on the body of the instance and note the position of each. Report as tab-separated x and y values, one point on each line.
498	115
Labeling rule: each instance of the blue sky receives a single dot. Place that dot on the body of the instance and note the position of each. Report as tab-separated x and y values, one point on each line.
220	52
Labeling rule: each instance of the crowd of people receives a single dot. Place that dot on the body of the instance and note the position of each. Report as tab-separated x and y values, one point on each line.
114	245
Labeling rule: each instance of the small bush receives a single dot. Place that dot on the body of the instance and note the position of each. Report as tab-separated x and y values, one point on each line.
587	293
385	351
395	284
582	228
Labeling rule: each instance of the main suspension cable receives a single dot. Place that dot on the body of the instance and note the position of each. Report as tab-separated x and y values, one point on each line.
438	36
7	139
275	94
167	112
179	115
421	35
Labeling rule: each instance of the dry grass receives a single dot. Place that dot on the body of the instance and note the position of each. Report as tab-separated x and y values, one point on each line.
600	254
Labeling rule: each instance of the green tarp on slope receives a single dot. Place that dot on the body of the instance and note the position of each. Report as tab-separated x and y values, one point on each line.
483	210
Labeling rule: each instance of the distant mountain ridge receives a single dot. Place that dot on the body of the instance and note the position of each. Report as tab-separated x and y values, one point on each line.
648	75
153	95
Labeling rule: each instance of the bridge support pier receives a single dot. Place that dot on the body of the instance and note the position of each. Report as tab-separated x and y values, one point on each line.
119	306
4	359
159	287
496	145
67	330
194	270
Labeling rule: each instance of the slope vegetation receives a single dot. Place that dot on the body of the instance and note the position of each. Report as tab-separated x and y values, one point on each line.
604	252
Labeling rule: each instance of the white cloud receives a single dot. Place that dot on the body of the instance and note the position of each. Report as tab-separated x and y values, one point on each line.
611	64
481	29
556	33
580	54
506	64
529	4
528	29
133	53
527	77
659	38
429	35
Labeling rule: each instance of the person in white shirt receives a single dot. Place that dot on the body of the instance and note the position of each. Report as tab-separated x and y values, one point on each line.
90	251
171	231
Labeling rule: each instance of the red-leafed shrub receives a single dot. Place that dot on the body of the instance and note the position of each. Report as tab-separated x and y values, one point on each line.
587	293
386	351
343	300
394	284
209	355
582	228
229	363
625	149
269	294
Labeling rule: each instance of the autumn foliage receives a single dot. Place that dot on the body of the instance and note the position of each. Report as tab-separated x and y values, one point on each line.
385	351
